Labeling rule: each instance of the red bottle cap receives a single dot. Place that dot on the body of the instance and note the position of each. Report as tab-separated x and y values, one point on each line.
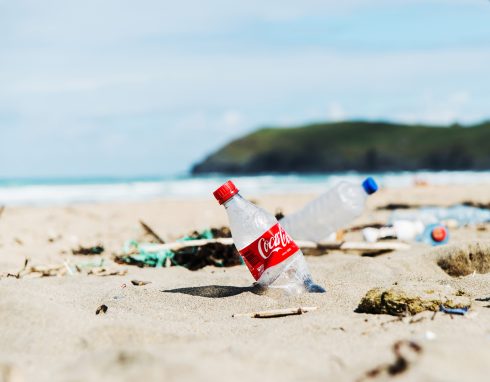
225	192
439	234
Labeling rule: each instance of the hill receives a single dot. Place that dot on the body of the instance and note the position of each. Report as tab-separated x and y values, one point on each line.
361	146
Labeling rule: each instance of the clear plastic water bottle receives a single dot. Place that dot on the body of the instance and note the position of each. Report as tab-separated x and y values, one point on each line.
330	211
271	255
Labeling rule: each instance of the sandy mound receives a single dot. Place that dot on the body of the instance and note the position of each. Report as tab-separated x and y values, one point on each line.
465	258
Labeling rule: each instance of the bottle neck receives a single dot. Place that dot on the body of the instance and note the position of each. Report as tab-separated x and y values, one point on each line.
232	200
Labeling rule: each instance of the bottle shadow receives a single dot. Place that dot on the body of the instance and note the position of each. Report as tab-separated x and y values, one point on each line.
217	291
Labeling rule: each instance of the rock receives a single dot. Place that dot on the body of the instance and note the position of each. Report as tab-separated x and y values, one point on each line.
398	300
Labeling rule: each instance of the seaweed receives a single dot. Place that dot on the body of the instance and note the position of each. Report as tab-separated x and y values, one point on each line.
193	257
93	250
101	309
399	365
483	206
215	254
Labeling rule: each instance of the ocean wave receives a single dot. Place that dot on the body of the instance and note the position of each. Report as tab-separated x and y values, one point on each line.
37	192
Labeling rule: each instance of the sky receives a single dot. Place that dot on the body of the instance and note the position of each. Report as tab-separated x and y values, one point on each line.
149	87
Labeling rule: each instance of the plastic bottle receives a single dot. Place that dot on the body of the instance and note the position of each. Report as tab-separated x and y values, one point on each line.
271	255
330	211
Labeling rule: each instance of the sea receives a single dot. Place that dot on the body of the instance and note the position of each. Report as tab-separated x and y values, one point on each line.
62	191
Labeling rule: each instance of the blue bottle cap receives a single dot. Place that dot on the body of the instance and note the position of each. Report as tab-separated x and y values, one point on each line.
370	186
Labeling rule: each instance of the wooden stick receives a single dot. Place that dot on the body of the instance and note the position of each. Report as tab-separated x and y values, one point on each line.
150	231
185	244
277	312
360	227
342	246
358	246
2	208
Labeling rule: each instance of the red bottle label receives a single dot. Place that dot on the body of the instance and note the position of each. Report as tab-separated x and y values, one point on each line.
273	247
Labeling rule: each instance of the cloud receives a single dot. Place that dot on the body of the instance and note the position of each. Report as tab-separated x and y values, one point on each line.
232	119
335	112
441	110
168	82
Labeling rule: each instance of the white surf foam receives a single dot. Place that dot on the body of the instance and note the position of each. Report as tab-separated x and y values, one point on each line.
202	187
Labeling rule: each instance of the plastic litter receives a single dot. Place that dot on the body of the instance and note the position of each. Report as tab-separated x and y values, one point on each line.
460	311
330	211
406	230
271	255
434	234
458	215
136	255
401	229
427	224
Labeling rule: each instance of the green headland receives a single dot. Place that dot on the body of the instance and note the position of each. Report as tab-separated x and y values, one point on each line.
359	146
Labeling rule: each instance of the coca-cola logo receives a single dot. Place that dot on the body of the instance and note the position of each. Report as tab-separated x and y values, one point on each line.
268	246
268	250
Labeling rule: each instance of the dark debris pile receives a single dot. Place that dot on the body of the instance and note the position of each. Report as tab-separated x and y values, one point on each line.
192	258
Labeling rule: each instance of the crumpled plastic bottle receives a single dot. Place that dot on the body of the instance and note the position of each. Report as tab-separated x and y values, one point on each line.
331	211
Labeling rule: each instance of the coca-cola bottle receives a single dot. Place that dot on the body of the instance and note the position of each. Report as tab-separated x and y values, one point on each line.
273	258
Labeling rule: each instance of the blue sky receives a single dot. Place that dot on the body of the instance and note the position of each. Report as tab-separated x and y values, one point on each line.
142	88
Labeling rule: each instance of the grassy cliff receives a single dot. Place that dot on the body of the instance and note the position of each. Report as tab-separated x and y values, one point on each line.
361	146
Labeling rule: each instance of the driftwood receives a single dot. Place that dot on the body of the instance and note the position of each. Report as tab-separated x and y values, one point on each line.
53	270
102	271
341	246
139	282
151	232
19	273
356	246
277	312
360	227
398	206
174	246
87	251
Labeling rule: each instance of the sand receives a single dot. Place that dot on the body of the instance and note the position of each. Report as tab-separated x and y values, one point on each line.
180	326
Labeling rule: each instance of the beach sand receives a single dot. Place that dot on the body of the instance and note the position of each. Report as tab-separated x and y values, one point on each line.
180	326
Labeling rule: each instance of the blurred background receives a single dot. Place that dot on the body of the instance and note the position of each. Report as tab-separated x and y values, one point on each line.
120	99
